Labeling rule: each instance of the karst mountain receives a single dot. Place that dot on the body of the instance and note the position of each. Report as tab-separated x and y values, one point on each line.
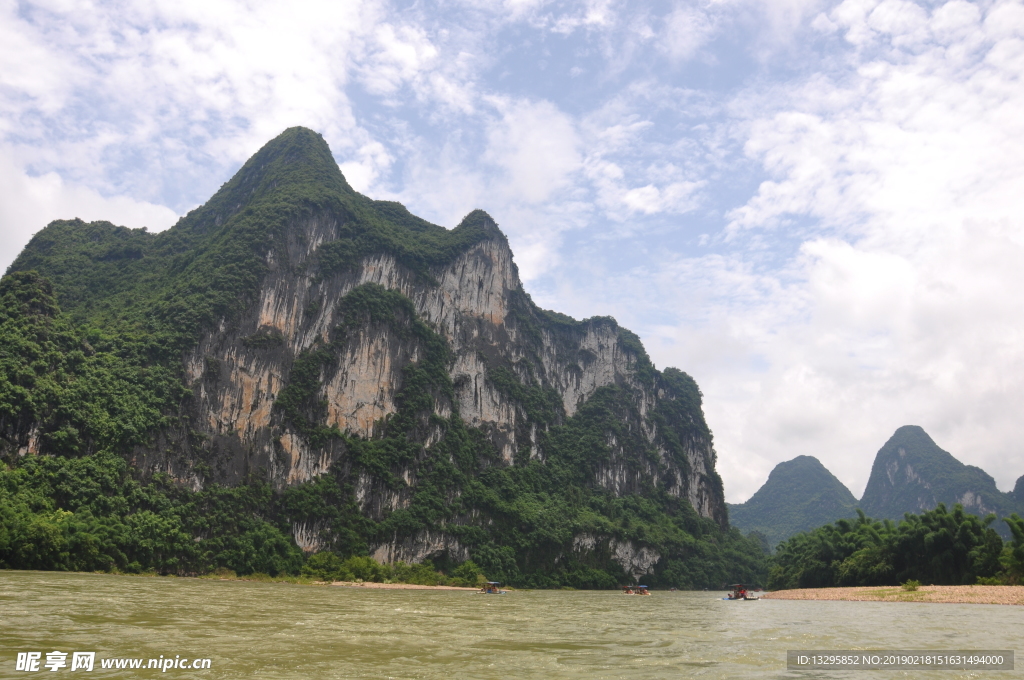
910	474
379	384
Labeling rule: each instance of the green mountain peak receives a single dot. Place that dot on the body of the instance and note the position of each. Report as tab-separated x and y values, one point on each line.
800	494
912	474
214	258
295	168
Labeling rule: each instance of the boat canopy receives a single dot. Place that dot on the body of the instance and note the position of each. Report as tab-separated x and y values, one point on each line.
494	583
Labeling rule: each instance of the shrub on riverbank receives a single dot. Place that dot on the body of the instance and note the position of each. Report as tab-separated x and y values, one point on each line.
937	547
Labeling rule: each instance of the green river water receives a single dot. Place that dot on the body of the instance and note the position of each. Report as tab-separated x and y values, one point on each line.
272	630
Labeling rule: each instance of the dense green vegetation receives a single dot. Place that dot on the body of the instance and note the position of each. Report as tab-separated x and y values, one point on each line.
95	320
937	547
799	495
83	388
89	514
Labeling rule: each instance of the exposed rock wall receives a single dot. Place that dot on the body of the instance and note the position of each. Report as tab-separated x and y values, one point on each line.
419	547
477	305
635	560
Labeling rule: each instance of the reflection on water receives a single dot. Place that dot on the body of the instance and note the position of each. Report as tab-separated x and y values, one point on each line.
290	631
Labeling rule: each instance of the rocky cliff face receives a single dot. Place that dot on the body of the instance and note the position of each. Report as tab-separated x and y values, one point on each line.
356	355
476	304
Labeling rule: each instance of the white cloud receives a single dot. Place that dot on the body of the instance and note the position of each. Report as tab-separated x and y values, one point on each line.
687	30
911	171
403	54
372	160
536	145
161	83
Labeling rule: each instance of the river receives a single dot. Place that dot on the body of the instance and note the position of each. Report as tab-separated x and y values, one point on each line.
274	630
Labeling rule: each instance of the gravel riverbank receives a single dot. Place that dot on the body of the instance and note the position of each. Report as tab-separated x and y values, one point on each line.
396	586
955	594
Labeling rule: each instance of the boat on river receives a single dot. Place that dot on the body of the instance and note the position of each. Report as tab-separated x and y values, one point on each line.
492	588
636	590
741	592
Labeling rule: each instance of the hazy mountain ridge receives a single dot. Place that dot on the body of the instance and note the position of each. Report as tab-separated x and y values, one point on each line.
800	494
1018	491
910	474
293	331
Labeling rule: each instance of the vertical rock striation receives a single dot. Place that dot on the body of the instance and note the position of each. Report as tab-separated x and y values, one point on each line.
476	303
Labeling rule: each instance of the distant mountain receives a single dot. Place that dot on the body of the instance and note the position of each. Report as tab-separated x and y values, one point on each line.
912	474
800	494
1018	492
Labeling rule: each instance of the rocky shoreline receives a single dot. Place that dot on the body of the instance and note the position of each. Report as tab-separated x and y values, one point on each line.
392	586
1013	595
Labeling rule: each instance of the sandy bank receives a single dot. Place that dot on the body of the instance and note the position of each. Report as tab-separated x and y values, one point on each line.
396	586
953	594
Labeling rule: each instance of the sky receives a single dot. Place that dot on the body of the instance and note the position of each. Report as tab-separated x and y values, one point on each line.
814	208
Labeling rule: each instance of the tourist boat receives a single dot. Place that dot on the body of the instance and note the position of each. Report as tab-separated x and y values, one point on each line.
740	592
635	590
492	588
